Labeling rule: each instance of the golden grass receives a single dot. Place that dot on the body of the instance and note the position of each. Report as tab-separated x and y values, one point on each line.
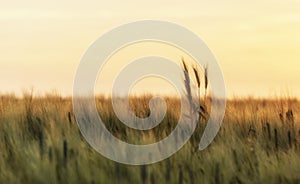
41	143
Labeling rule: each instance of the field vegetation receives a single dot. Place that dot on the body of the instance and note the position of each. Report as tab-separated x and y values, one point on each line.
259	142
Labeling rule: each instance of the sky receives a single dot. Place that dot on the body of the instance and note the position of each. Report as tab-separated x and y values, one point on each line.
256	43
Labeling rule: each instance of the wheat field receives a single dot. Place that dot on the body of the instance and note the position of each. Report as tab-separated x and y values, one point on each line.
259	142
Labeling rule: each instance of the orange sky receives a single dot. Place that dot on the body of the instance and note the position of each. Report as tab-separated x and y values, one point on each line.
256	43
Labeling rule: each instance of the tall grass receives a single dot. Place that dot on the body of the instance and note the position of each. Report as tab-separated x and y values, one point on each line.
41	143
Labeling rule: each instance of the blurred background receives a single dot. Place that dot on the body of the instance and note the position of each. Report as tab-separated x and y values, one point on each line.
257	43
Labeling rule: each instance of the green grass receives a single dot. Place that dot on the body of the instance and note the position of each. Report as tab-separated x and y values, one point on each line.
38	144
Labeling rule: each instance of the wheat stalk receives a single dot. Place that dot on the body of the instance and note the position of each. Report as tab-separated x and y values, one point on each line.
201	109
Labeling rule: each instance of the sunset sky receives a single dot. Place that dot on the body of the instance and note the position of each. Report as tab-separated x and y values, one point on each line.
257	43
